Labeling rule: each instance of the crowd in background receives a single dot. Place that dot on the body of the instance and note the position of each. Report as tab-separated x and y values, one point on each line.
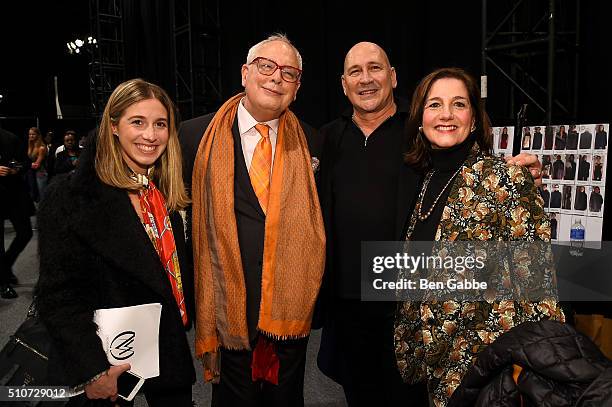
28	164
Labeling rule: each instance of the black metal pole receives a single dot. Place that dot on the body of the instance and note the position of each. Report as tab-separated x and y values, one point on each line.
484	83
551	62
577	62
483	38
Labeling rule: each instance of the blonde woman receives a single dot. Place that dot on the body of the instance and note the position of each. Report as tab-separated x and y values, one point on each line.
37	174
111	236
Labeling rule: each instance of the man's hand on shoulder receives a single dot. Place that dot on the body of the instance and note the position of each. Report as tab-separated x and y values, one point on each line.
531	162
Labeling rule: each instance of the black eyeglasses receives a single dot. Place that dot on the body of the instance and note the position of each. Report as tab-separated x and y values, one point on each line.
267	67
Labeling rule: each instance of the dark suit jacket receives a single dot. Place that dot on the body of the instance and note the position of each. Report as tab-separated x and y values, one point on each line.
95	253
250	218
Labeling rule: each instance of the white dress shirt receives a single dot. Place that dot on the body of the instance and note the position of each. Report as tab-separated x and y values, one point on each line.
249	136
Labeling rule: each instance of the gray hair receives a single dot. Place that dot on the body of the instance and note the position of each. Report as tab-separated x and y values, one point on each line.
274	37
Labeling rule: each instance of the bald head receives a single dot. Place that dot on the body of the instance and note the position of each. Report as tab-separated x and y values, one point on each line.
367	50
368	79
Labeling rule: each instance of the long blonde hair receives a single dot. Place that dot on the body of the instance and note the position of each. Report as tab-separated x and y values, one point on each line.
34	146
110	166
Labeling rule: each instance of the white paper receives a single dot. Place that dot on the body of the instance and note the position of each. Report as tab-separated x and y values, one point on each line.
131	335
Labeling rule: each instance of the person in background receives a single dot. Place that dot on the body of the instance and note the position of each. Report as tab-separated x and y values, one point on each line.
15	205
111	236
37	174
50	161
67	159
62	146
439	340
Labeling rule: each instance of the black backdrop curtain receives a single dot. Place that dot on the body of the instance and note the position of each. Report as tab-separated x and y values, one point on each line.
418	36
148	42
322	31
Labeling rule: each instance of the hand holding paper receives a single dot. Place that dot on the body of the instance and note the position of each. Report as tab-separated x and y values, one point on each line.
131	335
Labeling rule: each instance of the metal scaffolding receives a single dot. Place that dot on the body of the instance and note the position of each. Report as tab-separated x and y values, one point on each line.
197	53
521	37
107	66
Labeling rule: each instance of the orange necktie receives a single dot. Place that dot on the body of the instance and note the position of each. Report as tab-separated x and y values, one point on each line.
261	166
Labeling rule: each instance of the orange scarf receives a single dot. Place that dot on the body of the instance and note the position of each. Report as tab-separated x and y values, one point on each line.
294	242
158	227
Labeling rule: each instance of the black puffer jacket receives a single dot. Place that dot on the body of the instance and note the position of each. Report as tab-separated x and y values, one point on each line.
561	367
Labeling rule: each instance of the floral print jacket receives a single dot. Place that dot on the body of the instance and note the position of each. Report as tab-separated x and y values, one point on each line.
438	340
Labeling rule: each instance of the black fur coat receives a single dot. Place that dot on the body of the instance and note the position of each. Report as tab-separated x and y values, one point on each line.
95	253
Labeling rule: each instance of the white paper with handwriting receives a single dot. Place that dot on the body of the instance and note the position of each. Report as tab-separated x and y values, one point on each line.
131	335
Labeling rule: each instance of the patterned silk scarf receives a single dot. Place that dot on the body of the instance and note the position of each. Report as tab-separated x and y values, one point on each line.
158	227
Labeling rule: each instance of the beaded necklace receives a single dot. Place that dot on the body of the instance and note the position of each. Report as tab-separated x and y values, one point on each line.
424	190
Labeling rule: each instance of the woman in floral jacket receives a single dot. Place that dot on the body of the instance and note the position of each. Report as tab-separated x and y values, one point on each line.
469	195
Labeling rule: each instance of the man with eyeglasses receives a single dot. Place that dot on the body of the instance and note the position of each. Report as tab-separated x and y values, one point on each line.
366	195
257	233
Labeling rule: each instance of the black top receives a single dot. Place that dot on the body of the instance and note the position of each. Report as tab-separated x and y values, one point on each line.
364	181
445	163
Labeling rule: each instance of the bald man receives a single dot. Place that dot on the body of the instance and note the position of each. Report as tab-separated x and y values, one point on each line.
366	194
